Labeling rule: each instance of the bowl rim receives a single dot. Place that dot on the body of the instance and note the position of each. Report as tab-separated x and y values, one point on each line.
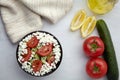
57	65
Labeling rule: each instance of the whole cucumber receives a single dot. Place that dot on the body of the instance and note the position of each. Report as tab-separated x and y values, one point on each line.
109	52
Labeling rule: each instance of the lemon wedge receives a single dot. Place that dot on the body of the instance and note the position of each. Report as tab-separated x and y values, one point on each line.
88	26
78	20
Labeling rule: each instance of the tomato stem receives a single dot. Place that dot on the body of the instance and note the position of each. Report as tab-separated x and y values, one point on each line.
94	46
96	68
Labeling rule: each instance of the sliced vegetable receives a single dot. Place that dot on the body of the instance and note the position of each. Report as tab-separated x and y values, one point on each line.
50	60
26	56
45	50
36	65
34	50
78	20
36	56
109	53
33	42
43	59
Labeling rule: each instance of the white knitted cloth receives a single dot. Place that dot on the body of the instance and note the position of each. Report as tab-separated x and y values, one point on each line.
23	16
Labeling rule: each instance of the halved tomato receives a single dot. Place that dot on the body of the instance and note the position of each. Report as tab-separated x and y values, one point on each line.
45	50
26	56
36	65
51	59
33	42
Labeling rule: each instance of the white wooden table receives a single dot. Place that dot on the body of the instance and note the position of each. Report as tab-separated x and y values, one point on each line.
74	60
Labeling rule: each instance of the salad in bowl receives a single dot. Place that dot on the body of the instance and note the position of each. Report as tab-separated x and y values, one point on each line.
39	53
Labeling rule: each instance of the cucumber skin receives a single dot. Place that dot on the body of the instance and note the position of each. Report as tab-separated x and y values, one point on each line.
109	52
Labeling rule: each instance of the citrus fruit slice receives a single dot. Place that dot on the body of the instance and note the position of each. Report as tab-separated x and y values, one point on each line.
78	20
88	26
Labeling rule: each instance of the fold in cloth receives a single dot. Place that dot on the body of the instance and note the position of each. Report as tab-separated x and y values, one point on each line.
24	16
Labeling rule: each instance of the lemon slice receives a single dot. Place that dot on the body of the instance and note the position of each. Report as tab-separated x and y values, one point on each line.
88	26
78	20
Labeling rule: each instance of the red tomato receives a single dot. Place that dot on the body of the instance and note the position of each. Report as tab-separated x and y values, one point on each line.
45	50
51	59
93	46
26	56
36	65
33	42
96	68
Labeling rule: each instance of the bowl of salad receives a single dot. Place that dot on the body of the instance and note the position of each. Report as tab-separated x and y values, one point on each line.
39	53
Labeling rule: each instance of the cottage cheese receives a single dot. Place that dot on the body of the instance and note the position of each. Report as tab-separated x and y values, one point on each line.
43	39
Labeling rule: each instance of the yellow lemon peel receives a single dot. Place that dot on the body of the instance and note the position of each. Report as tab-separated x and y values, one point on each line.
78	20
83	23
88	26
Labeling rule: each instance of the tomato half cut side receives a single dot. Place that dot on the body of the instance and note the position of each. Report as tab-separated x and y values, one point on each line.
36	65
26	56
45	50
51	60
33	42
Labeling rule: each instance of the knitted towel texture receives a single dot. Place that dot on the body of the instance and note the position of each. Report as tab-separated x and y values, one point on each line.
21	17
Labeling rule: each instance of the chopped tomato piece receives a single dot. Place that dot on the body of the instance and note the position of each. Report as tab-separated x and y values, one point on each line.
45	50
51	60
36	65
26	56
33	42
